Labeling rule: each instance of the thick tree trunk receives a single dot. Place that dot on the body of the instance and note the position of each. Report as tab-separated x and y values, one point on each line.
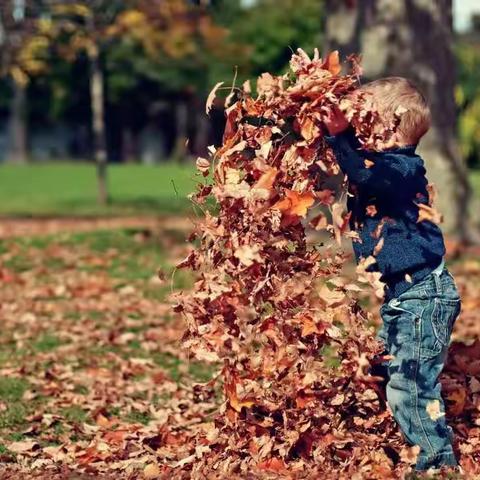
97	100
18	151
413	38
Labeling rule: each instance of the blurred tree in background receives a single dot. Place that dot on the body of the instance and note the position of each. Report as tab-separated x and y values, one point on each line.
16	32
126	80
468	93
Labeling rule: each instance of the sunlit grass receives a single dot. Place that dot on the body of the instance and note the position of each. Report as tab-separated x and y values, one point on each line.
70	189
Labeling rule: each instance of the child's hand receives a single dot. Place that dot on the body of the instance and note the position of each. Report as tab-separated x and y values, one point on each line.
335	121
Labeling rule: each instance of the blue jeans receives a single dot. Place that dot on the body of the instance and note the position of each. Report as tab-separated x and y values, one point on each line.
416	331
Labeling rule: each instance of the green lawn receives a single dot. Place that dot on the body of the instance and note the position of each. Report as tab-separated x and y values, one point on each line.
70	189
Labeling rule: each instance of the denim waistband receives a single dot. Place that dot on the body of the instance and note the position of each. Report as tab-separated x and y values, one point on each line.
433	283
439	269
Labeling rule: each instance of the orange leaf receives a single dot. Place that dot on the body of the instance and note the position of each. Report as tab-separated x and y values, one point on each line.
303	399
295	203
309	326
308	129
267	179
368	163
332	64
102	421
151	471
115	436
272	465
231	392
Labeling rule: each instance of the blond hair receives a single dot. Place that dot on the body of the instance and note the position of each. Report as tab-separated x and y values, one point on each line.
398	96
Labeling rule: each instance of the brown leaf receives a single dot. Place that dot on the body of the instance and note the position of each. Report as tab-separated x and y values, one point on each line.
428	213
203	165
211	97
457	400
231	391
378	246
151	471
22	446
371	210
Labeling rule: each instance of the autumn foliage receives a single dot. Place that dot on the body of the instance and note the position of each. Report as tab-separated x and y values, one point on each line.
271	306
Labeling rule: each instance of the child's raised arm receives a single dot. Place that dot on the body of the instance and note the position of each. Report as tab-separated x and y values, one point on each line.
381	172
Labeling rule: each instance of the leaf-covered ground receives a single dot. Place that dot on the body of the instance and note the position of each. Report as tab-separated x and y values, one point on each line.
92	381
89	361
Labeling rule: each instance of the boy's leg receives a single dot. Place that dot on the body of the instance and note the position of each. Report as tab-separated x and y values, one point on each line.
379	367
418	333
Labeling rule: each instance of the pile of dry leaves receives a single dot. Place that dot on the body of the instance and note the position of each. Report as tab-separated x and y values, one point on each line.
274	308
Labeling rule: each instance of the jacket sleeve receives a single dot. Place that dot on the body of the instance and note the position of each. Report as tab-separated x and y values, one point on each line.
380	172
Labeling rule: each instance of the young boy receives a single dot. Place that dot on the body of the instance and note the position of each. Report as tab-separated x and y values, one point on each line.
421	299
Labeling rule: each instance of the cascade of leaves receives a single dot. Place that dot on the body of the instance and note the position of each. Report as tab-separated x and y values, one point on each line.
271	306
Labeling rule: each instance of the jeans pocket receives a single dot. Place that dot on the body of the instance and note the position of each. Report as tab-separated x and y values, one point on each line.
400	319
437	325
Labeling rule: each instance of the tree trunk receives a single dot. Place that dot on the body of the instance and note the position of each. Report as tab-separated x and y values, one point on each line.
18	126
97	99
129	145
181	130
202	129
413	38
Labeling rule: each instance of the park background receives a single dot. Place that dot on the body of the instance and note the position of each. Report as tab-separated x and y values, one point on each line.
102	115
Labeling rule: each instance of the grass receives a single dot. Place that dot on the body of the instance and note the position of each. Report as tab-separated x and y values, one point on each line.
12	390
69	189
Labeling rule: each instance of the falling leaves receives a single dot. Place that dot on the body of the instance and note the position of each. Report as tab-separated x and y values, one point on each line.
426	212
371	210
266	300
295	203
433	410
211	97
248	254
378	247
203	165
